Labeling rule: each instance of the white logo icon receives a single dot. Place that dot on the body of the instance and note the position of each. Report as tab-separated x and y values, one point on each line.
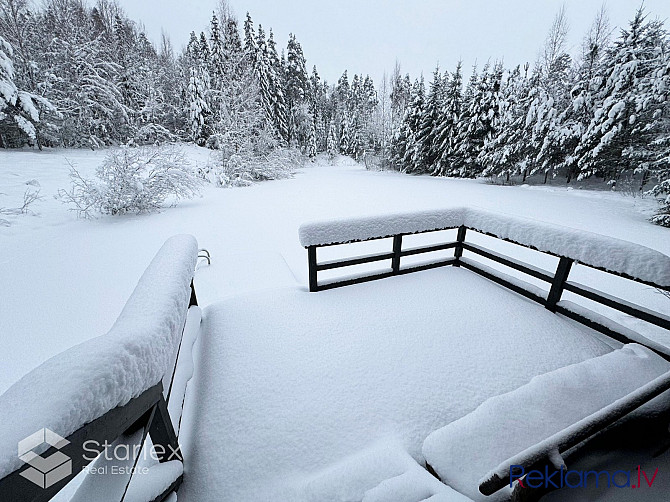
45	471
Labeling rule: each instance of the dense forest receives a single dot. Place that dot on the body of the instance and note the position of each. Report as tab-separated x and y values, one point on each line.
74	75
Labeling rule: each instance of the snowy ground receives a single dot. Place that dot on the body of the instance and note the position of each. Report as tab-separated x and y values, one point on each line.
65	280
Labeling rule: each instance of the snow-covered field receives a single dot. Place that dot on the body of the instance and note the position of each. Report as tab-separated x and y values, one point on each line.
65	280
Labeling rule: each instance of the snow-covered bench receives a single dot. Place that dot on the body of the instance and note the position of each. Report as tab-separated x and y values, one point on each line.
105	388
527	429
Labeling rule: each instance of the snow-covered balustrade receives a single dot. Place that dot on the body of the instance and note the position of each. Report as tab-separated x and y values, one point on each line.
108	386
615	256
481	454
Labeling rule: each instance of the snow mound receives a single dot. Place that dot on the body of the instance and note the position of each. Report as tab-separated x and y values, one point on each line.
600	251
86	381
464	451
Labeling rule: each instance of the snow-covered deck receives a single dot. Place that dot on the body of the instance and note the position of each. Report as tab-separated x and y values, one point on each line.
279	399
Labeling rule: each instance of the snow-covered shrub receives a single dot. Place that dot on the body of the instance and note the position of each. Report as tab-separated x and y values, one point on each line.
242	169
152	134
133	180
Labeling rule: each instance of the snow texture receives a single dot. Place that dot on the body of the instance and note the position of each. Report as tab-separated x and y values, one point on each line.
600	251
87	380
145	487
464	451
282	396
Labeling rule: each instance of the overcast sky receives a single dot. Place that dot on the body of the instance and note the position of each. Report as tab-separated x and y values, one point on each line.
367	36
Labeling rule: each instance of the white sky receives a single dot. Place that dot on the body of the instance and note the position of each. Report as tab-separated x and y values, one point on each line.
368	36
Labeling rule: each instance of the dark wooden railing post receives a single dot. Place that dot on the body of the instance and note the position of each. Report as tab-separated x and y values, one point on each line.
397	248
558	284
193	301
458	250
163	435
311	263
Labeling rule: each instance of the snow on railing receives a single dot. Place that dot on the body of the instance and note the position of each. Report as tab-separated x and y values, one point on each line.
598	251
107	383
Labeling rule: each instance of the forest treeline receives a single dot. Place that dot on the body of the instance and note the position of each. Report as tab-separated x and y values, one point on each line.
75	75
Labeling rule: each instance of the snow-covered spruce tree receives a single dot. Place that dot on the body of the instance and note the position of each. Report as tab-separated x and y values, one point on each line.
504	152
20	111
653	103
549	133
411	127
311	142
198	106
476	123
580	108
332	146
344	135
297	90
446	125
428	148
611	142
276	81
133	180
462	151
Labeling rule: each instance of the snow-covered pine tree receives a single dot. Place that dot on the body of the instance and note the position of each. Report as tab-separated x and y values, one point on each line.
332	146
311	142
446	127
606	147
504	152
277	89
250	42
20	111
428	151
344	141
199	109
297	89
217	62
411	126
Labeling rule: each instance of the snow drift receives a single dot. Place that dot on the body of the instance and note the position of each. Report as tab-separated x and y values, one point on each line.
600	251
87	380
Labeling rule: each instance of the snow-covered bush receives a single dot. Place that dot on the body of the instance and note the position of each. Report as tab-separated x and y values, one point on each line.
231	170
134	180
152	134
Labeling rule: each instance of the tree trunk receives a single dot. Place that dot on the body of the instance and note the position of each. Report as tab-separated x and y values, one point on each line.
546	174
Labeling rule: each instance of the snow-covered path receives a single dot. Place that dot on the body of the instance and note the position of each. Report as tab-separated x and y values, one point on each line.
65	280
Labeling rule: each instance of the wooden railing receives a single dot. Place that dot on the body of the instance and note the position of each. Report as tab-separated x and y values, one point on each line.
558	280
147	412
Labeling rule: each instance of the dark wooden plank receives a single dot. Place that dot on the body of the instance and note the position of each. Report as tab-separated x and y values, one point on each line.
619	304
428	249
163	435
557	285
110	426
460	239
356	280
526	268
311	264
397	251
427	266
370	258
503	282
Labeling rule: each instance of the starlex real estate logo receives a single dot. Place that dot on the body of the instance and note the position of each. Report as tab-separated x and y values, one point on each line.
44	471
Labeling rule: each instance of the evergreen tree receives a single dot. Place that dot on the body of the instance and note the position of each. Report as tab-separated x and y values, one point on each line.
447	124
